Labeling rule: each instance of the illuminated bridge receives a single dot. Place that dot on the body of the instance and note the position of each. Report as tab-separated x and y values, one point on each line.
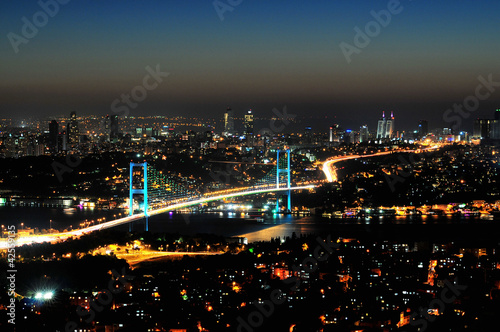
161	193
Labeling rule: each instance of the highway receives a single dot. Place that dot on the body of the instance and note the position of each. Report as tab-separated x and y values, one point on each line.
137	258
125	220
331	174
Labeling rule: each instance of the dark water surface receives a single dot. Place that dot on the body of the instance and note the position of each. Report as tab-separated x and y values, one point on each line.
471	230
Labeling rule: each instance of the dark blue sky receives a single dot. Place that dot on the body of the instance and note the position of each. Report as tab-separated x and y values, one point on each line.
264	54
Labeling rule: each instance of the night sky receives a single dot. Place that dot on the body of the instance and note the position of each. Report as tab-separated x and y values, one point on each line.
264	54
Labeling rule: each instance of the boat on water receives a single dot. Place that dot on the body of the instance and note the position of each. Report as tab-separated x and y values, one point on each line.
256	213
487	216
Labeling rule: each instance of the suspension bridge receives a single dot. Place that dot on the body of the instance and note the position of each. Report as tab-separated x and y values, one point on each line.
163	193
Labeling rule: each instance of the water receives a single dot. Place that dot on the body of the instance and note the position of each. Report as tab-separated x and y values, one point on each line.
39	217
444	228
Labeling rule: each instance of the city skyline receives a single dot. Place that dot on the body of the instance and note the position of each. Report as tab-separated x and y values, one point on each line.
261	56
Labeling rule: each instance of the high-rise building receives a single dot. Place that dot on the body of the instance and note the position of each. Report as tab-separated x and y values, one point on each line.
35	147
385	128
64	143
349	137
229	122
308	135
486	129
482	128
364	135
248	123
53	136
113	126
335	133
72	129
423	128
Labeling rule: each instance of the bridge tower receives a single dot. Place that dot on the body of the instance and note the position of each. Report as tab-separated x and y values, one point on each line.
143	191
287	172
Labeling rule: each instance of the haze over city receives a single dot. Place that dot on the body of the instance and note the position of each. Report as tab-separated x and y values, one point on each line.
264	54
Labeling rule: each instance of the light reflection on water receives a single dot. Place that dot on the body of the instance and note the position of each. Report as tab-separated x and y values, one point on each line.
238	225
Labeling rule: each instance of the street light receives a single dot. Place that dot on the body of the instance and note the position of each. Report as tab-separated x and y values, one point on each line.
44	295
50	222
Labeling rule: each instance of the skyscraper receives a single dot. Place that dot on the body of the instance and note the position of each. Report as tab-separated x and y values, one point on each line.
53	136
308	135
482	128
113	126
487	128
248	123
73	131
335	133
385	128
229	122
364	135
423	128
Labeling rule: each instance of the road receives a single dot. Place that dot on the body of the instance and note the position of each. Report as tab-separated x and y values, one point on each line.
125	220
137	258
331	174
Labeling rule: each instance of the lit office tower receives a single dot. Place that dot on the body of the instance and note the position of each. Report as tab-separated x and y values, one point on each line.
482	128
73	131
249	123
335	134
495	126
113	126
229	122
423	128
385	127
53	136
364	135
389	129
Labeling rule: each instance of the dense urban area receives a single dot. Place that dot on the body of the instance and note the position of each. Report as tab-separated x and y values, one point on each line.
392	264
